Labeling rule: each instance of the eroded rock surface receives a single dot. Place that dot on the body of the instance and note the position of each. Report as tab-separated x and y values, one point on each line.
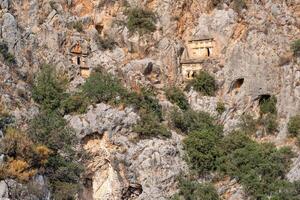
122	168
252	58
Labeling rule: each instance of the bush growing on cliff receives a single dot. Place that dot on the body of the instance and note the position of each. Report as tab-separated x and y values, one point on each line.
190	120
102	87
201	149
48	146
239	5
150	126
193	190
294	126
107	43
51	129
176	96
204	83
64	174
269	121
268	105
144	101
296	47
23	158
63	168
220	108
49	88
141	21
258	167
76	103
5	119
78	26
150	112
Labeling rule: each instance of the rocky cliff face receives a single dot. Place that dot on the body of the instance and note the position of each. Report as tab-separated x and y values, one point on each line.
122	168
252	59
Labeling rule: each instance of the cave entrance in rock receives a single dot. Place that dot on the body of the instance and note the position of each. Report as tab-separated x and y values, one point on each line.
236	85
91	136
263	98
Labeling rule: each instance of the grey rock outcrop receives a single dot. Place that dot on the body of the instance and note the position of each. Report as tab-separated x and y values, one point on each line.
10	32
3	191
4	4
252	57
147	169
155	164
103	118
294	173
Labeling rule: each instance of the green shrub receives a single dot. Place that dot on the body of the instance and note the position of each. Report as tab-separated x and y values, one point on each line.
249	125
150	125
102	87
220	108
201	150
150	112
49	89
78	26
269	121
139	20
64	190
296	47
64	176
8	57
105	43
285	190
233	141
294	126
144	101
239	5
76	103
204	83
5	120
268	105
62	168
190	120
176	96
192	190
51	129
22	158
256	166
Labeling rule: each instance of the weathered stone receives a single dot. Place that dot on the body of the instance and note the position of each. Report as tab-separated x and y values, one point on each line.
4	4
10	30
102	118
3	190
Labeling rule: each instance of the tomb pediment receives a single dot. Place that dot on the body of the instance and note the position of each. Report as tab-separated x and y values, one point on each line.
76	49
198	49
196	52
80	47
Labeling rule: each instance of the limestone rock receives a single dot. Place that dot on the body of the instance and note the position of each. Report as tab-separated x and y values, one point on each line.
102	118
294	173
10	30
4	4
3	191
155	164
